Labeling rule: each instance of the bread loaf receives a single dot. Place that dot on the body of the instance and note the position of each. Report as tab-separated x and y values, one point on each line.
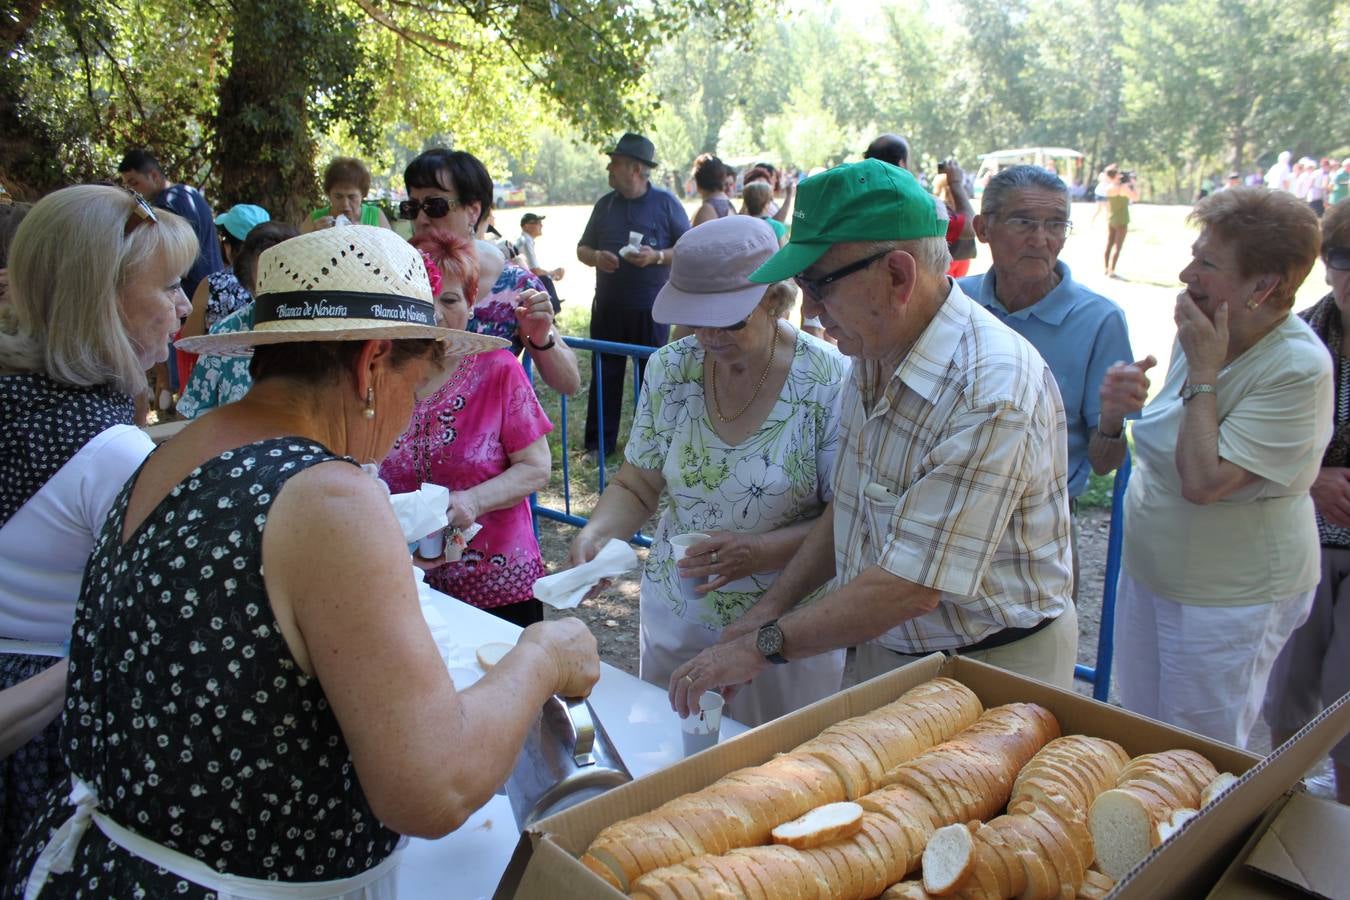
1149	791
742	808
1042	847
971	776
1075	768
964	778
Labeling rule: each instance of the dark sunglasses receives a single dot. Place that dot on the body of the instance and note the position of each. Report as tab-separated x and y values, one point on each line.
141	211
434	207
815	287
737	327
1337	258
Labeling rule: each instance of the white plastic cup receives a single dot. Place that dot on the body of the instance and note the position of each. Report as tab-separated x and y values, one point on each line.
433	545
702	729
679	546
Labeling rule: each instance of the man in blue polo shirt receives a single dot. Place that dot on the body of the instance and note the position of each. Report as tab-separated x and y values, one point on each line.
1024	218
628	241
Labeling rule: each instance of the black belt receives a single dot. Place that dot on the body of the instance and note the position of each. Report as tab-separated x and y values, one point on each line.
1004	637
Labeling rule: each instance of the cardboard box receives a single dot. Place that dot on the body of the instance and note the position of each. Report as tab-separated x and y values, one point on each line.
545	864
1297	850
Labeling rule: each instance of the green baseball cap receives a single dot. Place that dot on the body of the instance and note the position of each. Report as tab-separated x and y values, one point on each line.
863	201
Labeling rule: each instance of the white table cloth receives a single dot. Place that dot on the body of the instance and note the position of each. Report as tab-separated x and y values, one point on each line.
637	716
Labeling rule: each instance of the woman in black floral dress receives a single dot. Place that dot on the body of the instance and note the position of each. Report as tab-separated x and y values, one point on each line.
254	696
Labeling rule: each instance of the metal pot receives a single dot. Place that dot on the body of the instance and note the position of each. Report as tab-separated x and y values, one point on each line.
567	759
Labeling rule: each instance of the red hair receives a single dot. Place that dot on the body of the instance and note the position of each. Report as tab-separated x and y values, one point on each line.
454	256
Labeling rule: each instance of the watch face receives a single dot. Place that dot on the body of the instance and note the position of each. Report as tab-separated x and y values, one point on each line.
769	640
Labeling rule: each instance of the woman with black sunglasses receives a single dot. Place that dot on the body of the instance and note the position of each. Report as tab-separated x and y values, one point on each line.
733	444
1313	669
451	189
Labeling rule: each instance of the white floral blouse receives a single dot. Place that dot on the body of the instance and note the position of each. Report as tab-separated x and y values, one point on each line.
778	476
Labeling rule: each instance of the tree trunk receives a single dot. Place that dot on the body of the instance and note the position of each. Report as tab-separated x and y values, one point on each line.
1239	148
15	23
265	151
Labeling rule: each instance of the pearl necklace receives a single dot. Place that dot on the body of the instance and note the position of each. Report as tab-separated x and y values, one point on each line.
763	376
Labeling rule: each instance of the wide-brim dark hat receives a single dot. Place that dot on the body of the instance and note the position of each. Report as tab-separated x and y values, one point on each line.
636	146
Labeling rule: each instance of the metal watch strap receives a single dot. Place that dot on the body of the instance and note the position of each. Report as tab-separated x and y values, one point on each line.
1189	391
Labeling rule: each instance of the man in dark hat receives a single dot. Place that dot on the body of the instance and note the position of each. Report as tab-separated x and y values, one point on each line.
628	240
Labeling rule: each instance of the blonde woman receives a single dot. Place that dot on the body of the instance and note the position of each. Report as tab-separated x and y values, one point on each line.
75	341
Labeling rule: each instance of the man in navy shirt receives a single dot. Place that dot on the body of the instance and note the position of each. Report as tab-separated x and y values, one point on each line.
141	172
628	241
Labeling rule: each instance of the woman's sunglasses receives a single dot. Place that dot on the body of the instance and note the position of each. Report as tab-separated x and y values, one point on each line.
434	207
1337	258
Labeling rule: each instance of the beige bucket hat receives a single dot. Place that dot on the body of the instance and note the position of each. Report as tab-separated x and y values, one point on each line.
347	283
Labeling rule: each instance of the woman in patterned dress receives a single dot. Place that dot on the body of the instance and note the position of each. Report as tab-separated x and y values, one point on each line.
734	437
230	725
482	434
94	299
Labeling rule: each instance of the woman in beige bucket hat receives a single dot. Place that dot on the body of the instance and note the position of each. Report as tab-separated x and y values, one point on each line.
734	439
266	731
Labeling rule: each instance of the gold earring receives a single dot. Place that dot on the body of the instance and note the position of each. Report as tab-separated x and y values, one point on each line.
1252	304
369	411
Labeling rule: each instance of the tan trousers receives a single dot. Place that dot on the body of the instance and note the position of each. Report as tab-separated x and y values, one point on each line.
1048	655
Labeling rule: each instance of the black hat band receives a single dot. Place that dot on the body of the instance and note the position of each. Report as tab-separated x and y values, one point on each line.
291	306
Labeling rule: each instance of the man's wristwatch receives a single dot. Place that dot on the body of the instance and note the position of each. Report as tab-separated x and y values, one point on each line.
769	642
552	342
1190	390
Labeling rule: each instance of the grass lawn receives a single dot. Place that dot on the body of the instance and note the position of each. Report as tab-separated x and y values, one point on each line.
1157	248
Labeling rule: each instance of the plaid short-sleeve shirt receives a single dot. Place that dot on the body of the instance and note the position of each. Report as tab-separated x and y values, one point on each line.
954	477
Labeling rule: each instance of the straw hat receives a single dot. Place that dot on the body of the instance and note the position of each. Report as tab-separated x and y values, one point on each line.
347	283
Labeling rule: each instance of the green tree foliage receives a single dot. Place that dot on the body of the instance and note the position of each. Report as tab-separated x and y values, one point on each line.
238	96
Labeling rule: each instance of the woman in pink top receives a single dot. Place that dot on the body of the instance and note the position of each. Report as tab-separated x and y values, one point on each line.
483	435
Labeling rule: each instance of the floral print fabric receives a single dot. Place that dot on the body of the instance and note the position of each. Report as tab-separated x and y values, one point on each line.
495	314
778	476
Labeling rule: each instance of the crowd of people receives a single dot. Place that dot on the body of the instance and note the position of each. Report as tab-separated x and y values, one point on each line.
180	718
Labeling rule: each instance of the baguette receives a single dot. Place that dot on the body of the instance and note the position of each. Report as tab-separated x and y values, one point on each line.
906	890
1128	821
741	809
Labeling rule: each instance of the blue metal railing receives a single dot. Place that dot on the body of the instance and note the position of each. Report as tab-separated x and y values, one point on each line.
1100	675
635	352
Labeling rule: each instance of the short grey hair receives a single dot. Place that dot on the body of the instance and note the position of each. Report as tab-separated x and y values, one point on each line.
69	262
931	253
1019	178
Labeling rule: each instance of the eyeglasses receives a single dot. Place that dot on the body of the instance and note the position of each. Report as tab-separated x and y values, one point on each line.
1337	258
434	207
815	287
142	211
1027	227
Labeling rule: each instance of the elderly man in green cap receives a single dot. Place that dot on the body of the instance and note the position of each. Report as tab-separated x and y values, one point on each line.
949	527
